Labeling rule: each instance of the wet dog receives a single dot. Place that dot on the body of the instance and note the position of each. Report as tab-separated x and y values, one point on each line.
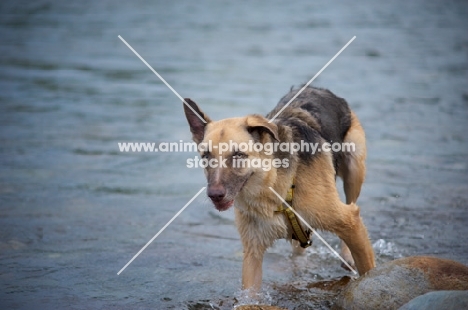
316	118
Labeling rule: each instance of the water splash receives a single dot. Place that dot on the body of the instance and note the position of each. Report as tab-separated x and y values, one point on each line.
386	248
247	297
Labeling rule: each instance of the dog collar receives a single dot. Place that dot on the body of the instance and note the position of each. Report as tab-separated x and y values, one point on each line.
298	233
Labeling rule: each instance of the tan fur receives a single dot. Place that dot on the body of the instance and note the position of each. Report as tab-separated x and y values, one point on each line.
316	198
353	172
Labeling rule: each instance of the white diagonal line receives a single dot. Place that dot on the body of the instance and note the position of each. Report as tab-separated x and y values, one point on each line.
311	80
314	231
160	231
161	78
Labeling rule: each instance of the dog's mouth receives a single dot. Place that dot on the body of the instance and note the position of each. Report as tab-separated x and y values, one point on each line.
226	202
223	205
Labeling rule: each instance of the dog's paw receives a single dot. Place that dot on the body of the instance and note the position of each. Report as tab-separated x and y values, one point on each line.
346	255
343	265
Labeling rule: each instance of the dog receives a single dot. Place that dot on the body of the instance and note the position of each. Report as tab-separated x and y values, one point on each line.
317	117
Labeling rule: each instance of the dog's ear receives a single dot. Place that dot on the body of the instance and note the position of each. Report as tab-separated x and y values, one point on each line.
196	118
258	125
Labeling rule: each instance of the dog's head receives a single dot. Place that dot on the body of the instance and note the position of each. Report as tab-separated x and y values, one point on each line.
227	148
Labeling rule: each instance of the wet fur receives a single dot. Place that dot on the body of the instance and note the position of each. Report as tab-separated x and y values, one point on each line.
316	116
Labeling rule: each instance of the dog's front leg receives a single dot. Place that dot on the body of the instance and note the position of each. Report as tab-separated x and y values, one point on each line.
252	270
255	240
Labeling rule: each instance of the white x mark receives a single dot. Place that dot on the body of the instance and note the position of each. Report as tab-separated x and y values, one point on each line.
161	230
314	231
311	80
162	79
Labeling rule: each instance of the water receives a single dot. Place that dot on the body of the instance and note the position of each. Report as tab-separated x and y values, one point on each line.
74	210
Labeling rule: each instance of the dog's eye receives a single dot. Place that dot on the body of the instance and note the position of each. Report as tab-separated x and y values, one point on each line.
205	155
239	155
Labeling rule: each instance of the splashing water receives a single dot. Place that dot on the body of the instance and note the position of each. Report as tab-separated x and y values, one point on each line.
246	297
386	248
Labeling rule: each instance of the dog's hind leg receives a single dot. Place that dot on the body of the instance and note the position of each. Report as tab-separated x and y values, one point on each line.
352	171
320	205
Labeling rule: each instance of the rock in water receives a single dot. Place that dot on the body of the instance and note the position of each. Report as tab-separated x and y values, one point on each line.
395	283
447	300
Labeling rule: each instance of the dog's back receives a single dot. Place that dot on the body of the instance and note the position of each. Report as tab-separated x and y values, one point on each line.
315	116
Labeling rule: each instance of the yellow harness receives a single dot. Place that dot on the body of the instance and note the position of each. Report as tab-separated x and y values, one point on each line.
298	232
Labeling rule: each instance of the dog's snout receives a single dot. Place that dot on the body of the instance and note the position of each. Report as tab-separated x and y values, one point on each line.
216	193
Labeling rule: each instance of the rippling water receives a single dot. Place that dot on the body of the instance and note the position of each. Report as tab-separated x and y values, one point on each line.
74	210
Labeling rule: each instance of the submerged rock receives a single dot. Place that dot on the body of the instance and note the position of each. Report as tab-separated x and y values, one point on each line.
447	300
395	283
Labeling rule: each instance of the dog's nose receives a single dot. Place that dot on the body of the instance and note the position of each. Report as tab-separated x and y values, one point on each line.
216	193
